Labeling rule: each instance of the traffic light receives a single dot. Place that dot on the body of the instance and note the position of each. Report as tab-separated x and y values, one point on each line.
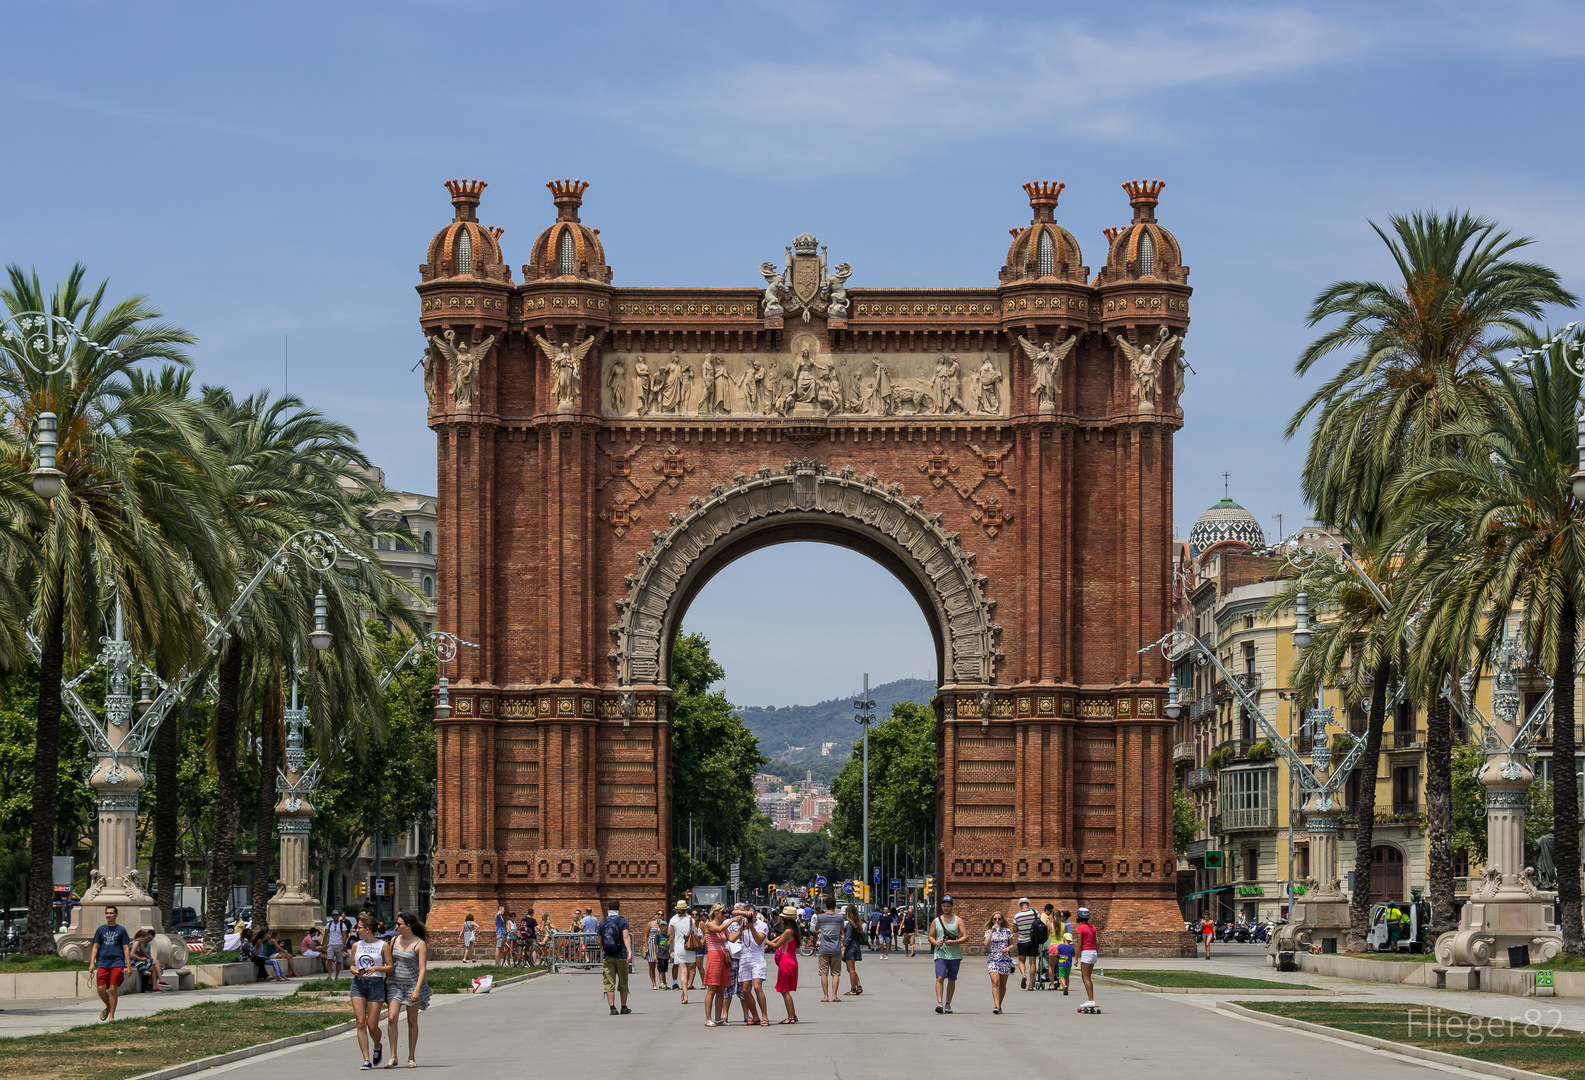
930	885
360	888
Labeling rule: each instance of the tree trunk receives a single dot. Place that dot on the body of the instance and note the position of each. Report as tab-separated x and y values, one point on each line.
264	810
40	938
1565	783
167	822
1365	812
1439	817
228	683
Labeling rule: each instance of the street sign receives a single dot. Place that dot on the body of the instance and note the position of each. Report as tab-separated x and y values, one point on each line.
877	875
735	879
847	887
379	886
916	883
820	882
1213	860
896	884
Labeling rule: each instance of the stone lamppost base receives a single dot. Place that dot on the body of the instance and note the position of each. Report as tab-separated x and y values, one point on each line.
294	915
1311	921
76	941
1488	928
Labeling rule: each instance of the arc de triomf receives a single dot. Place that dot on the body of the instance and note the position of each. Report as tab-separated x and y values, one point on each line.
1004	449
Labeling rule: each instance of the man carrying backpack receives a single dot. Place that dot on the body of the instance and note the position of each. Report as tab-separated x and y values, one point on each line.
616	947
1025	922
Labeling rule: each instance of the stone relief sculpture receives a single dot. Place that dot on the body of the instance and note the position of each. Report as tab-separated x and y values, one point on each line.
617	381
565	359
802	286
429	374
947	386
775	286
877	398
837	293
642	387
752	385
1145	363
717	386
990	377
670	379
1047	361
464	360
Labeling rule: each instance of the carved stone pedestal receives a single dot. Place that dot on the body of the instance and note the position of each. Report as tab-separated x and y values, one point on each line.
1487	928
1323	913
292	909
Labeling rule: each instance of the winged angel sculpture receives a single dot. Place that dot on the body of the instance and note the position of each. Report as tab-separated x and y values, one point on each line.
565	359
1047	359
464	360
1145	362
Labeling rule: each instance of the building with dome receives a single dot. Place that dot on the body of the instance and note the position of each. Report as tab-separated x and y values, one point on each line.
1225	526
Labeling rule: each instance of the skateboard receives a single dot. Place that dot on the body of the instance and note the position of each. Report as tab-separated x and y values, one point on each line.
1089	1008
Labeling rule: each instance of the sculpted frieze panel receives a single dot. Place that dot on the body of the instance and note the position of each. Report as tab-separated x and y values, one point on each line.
804	381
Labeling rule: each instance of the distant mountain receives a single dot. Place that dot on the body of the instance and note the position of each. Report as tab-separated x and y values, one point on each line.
830	721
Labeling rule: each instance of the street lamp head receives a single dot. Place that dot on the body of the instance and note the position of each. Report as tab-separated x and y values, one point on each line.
1173	708
320	638
1301	626
442	701
47	478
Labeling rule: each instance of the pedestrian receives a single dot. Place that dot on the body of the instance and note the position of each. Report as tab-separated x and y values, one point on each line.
884	926
998	961
663	951
144	961
616	955
591	934
338	935
407	988
785	948
751	965
1089	952
683	934
1024	923
500	933
266	954
734	953
277	951
717	965
311	946
910	929
826	929
1046	960
1207	932
369	964
469	928
947	935
1065	954
853	949
652	948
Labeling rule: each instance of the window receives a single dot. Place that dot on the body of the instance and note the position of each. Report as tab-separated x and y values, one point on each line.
1047	259
1147	254
1251	863
429	585
567	254
1405	789
429	543
1351	790
382	544
1301	861
1248	798
464	251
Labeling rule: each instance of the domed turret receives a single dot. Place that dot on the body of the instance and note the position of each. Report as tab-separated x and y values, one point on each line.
1142	248
1044	249
569	248
466	248
1225	524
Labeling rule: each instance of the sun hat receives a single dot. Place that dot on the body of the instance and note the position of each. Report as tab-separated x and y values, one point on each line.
1023	899
682	905
789	913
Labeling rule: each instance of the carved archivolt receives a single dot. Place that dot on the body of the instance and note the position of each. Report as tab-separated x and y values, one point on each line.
801	489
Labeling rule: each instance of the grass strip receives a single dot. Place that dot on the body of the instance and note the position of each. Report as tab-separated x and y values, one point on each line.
1394	957
17	965
1530	1038
1199	979
447	980
137	1045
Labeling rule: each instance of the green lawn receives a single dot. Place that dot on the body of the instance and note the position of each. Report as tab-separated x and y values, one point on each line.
1200	979
1396	957
14	964
447	980
1539	1048
142	1044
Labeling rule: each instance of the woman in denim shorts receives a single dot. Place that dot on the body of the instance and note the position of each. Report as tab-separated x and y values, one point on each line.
371	963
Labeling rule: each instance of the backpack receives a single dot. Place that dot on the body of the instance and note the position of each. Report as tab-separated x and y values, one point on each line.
611	935
1039	933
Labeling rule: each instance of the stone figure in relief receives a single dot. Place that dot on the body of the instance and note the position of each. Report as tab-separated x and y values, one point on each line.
990	378
566	360
1047	360
782	401
464	360
643	399
947	385
685	396
717	386
618	384
670	385
1145	363
878	399
837	296
753	387
429	375
775	285
829	396
808	377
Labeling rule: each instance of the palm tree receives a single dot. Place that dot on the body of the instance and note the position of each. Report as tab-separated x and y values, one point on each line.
134	516
1422	362
1355	647
1502	528
290	468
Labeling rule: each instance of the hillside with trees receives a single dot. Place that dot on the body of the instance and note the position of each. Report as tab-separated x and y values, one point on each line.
807	726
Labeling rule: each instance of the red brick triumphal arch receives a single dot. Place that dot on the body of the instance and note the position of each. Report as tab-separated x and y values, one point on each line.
1005	450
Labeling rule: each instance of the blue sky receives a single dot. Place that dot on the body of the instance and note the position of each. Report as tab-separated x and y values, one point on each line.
271	170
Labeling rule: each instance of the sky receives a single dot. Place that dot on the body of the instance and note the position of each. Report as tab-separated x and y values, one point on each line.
270	175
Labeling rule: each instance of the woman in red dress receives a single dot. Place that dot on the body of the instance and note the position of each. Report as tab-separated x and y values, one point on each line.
717	965
786	950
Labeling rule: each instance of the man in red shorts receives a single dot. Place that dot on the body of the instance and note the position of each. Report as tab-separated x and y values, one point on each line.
108	961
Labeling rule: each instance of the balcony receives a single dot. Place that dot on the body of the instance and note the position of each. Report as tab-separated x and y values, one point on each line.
1405	810
1182	753
1407	740
1204	705
1250	680
1249	820
1200	778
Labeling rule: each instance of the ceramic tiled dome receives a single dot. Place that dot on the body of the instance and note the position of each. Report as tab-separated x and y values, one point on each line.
1142	248
1226	522
1044	249
465	247
568	248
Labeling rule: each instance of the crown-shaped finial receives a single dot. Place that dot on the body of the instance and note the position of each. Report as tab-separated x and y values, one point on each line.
1112	232
568	196
495	231
804	244
465	197
1142	196
1043	197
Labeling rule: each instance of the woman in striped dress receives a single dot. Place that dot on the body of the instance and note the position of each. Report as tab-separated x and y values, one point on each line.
407	988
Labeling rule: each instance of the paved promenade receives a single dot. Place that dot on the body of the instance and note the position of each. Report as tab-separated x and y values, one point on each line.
559	1026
